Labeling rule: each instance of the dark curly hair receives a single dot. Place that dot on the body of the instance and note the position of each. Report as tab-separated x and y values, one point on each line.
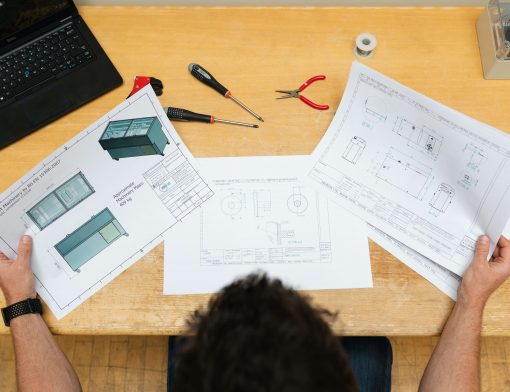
259	336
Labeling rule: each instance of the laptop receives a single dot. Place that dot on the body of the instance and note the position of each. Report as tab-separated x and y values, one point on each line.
50	64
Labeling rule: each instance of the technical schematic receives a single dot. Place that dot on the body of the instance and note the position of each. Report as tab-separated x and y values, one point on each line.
274	226
92	217
262	203
422	138
473	158
276	232
439	276
354	150
178	185
232	203
264	218
430	177
89	239
441	199
405	173
297	202
375	109
61	200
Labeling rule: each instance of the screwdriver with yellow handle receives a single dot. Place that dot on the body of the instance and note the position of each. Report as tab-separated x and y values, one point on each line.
205	77
186	115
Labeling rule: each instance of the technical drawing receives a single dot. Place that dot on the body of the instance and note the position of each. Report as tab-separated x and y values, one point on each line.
405	173
132	138
422	139
354	150
441	199
375	109
473	157
262	203
232	204
275	233
89	239
297	202
178	185
62	199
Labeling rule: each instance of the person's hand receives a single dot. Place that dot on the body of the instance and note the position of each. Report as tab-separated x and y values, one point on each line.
483	277
16	279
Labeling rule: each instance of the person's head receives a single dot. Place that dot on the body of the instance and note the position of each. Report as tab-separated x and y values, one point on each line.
258	335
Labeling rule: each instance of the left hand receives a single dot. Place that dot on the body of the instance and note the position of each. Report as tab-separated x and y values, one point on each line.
16	278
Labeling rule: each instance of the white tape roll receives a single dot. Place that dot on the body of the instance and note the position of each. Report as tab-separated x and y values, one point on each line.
365	45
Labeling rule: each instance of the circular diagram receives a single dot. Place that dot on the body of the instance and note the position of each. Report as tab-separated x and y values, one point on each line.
297	203
231	205
165	186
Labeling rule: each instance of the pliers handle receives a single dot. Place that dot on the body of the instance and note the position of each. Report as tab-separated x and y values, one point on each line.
295	93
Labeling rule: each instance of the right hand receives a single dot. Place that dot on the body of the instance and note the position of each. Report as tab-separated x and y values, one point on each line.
483	277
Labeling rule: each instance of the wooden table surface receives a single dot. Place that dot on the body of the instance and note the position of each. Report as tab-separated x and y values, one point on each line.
255	51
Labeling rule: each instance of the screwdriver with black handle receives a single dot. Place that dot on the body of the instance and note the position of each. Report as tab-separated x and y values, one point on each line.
205	77
185	115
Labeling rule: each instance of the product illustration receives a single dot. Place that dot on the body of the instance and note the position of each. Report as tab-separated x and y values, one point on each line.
61	200
133	138
89	239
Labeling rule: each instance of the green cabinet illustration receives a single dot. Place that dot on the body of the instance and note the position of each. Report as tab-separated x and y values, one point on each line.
89	239
61	200
135	137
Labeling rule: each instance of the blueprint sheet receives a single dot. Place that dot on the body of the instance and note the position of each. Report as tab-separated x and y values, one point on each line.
442	278
263	218
426	175
91	216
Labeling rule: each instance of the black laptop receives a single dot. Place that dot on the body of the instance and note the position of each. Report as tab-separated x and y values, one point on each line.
50	63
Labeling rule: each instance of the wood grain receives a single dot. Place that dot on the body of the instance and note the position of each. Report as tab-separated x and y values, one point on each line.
255	51
145	369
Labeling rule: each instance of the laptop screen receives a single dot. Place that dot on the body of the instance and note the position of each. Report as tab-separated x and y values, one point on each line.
17	15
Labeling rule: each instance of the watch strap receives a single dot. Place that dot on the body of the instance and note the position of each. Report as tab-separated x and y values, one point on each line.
30	305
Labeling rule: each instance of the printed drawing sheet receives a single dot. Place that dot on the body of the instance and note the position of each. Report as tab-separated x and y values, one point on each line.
93	212
424	174
442	278
263	218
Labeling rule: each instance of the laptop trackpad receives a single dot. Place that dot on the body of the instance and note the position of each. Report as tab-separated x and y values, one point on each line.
46	104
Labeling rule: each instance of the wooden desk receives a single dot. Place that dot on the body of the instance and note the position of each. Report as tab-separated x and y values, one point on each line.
255	51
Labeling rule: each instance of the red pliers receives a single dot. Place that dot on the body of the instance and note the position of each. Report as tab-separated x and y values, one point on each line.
295	93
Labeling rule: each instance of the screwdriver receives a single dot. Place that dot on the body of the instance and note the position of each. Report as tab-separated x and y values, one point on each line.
205	77
186	115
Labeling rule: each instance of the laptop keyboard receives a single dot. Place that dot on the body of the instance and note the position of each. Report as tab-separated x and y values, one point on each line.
51	55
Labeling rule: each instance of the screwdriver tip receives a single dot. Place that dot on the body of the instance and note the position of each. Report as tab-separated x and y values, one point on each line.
256	126
261	119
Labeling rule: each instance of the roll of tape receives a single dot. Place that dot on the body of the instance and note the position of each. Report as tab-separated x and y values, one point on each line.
365	45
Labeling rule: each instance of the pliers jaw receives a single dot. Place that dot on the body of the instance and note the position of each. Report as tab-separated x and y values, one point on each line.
290	93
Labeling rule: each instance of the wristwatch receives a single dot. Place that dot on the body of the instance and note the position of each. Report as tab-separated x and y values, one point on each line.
30	305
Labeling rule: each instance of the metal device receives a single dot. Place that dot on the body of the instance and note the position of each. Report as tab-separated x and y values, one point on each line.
50	64
493	29
186	115
295	93
365	45
205	77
